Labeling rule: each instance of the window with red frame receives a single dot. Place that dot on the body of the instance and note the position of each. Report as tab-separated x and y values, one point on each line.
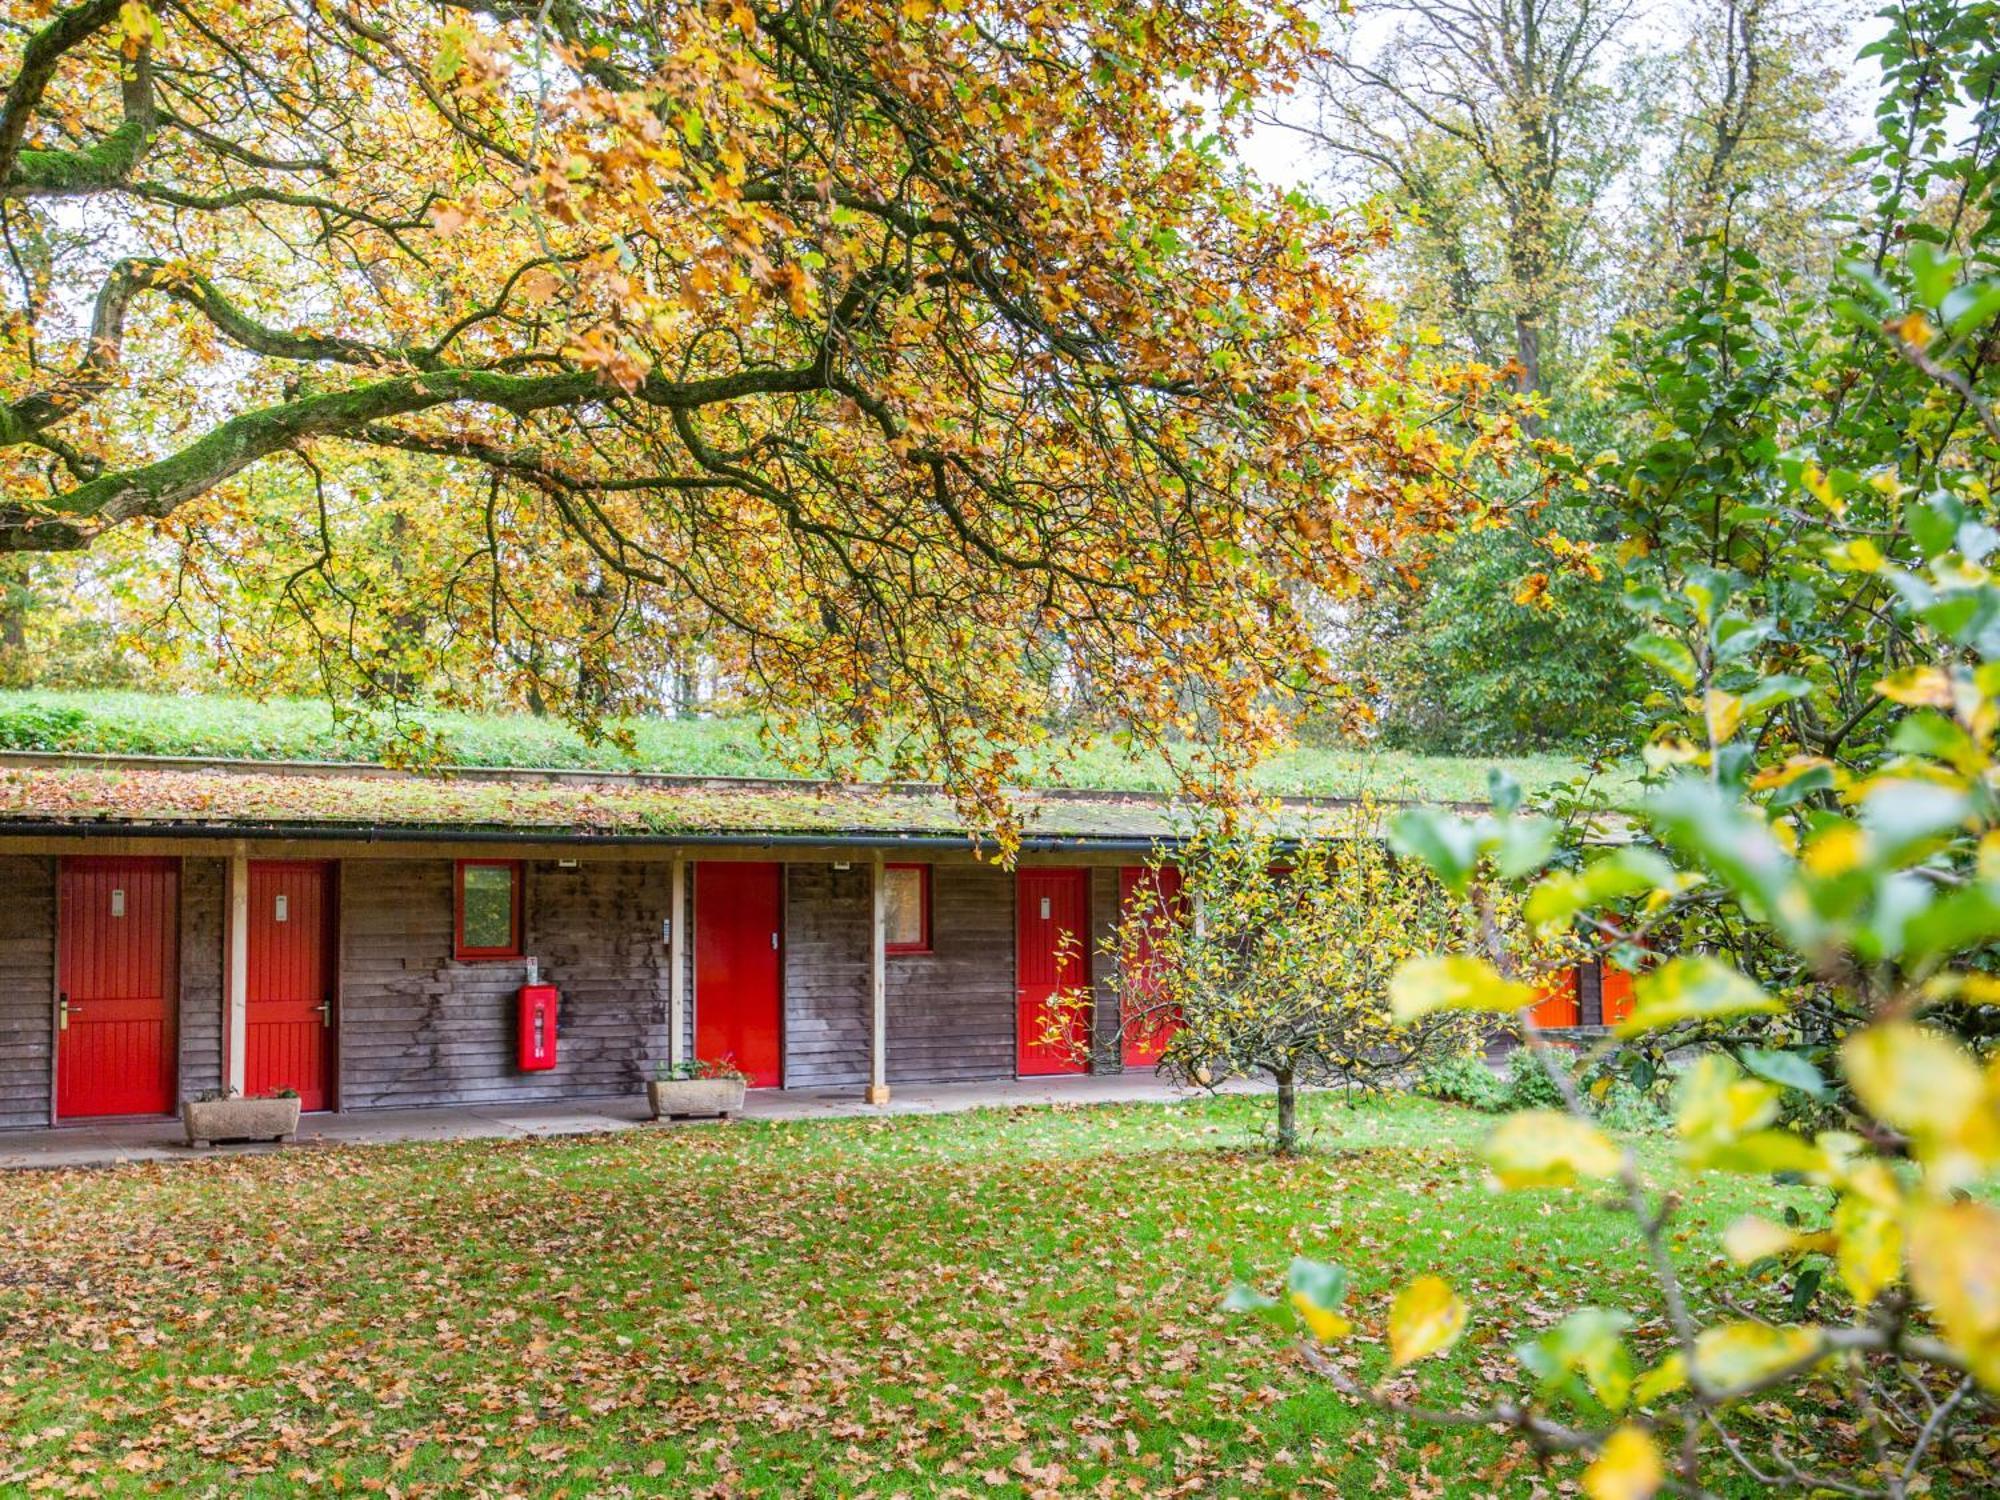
906	906
488	908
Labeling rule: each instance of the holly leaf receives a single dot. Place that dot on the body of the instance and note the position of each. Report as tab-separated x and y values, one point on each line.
1697	988
1732	1356
1627	1467
1667	655
1317	1290
1426	1318
1455	981
1955	1267
1546	1148
1787	1069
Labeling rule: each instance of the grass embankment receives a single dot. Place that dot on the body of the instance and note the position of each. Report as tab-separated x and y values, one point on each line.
281	729
1004	1303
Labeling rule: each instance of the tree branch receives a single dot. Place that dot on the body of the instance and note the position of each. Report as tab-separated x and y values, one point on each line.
28	173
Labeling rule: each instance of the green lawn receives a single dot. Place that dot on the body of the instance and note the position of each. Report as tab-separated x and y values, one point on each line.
142	724
1006	1303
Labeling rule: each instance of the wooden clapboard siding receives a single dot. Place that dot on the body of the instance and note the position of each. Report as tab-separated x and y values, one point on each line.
419	1027
204	897
598	931
827	1021
687	957
27	986
1107	1057
951	1011
1590	994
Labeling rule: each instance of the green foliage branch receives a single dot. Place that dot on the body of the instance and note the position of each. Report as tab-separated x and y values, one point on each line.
1810	883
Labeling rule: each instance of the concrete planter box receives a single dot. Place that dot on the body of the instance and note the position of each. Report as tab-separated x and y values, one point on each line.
210	1120
679	1098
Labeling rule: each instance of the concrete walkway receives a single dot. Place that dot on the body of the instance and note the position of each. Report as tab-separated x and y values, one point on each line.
100	1145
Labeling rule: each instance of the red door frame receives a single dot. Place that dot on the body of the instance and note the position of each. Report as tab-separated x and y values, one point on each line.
1032	986
68	943
329	929
750	943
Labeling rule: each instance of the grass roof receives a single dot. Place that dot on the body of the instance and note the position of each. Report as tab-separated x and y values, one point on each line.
124	795
292	730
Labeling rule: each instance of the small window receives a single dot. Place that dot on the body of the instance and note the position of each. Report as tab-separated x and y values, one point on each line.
907	906
489	908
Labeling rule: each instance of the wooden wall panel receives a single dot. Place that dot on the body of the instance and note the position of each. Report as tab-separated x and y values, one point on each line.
418	1027
1590	994
204	898
687	960
827	915
1106	1056
951	1011
27	986
598	930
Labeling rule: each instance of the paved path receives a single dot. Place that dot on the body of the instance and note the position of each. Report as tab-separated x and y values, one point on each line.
160	1140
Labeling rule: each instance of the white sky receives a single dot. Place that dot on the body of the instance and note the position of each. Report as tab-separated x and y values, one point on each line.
1285	159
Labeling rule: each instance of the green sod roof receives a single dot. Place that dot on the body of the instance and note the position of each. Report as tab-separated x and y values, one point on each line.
151	764
127	795
215	727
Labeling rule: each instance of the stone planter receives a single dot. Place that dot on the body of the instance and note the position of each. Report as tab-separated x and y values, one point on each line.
681	1098
210	1120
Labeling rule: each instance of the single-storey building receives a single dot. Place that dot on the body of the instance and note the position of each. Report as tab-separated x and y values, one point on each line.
373	938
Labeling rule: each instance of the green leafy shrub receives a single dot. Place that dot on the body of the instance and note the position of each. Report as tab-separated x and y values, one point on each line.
1462	1078
1529	1085
1625	1106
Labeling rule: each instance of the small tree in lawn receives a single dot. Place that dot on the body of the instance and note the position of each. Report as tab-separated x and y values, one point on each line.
1275	956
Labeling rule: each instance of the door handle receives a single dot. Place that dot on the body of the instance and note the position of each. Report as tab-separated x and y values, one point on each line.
63	1010
325	1009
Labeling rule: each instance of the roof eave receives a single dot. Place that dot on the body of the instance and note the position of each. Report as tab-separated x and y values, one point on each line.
390	833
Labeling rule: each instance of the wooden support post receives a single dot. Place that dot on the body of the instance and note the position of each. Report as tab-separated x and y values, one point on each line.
677	960
878	984
236	991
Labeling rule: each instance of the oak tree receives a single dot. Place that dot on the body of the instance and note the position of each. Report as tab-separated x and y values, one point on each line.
938	360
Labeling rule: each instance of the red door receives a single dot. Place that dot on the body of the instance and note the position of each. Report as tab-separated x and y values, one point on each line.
1614	993
1145	1034
737	991
115	977
1052	954
1556	1001
288	1003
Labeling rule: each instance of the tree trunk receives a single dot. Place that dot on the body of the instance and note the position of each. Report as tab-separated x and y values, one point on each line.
17	603
1288	1114
1528	352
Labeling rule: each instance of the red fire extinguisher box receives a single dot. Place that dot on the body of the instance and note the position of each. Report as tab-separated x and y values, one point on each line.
538	1027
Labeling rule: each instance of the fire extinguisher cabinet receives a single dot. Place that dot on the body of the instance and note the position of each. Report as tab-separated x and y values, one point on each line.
538	1027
